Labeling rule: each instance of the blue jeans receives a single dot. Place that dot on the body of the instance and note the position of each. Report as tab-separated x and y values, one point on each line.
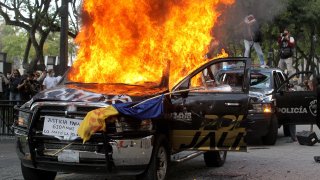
15	96
257	48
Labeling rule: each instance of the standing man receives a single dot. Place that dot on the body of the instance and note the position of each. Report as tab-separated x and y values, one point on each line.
252	37
286	44
50	81
28	87
14	81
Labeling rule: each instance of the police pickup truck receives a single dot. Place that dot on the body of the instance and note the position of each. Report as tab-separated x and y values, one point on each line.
280	102
202	115
296	103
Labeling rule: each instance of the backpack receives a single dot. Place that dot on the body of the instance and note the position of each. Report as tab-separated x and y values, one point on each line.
286	52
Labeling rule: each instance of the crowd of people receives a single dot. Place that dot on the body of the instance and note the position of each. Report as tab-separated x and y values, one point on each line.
17	87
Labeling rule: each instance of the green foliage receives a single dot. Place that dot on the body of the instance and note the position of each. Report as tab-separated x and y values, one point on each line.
13	41
302	18
51	47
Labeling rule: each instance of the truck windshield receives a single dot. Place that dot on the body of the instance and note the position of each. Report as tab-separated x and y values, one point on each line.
260	80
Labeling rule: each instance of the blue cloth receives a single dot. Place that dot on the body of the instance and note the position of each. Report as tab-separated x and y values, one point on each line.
149	109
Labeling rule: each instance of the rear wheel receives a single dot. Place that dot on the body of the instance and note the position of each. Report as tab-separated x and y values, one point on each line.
215	158
271	137
37	174
158	166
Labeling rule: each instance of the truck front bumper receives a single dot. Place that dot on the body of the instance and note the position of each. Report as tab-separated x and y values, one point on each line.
116	156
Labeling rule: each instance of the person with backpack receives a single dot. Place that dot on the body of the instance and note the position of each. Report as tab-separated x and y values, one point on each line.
286	43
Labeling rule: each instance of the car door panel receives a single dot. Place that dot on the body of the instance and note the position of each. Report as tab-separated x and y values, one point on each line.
209	120
296	106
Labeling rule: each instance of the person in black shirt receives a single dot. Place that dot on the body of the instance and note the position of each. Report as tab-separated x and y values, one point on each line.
28	87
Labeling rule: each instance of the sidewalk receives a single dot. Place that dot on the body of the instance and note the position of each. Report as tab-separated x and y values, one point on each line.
6	139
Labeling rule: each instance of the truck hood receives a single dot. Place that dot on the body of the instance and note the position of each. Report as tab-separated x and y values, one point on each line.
87	92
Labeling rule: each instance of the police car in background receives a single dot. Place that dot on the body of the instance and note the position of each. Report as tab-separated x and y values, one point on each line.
274	103
296	105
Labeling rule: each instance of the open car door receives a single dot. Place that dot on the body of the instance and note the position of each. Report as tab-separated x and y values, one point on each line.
297	104
208	112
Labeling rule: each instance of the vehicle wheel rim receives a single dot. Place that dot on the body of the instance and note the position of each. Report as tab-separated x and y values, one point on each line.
162	163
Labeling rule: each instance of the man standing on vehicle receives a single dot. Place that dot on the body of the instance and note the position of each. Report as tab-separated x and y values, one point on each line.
286	44
252	37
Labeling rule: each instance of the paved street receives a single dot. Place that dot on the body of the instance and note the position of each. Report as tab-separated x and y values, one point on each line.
282	161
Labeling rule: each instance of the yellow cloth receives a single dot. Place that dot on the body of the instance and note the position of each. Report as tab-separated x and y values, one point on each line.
95	121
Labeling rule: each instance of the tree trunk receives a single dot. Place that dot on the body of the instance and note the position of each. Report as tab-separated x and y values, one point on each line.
25	63
311	55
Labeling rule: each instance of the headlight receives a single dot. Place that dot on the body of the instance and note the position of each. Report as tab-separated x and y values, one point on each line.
23	119
261	108
124	124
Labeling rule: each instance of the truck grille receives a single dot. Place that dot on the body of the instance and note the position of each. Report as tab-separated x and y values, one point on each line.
61	110
44	142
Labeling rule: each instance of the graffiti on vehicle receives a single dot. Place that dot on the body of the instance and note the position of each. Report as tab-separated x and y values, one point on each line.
225	122
209	140
216	133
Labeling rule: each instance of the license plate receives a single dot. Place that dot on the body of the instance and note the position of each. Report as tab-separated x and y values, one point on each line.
59	126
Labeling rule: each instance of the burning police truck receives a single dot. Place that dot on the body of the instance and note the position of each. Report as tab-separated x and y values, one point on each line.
199	115
124	52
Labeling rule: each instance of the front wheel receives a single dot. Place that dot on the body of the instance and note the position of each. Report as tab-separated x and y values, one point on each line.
37	174
215	158
271	137
158	166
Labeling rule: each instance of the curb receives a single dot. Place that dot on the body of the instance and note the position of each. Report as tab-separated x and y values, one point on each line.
7	139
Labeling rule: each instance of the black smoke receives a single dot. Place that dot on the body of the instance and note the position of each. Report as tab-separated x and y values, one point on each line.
231	20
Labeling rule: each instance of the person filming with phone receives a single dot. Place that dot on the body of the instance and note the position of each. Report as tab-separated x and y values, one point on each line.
286	43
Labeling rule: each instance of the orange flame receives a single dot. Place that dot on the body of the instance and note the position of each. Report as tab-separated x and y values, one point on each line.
133	41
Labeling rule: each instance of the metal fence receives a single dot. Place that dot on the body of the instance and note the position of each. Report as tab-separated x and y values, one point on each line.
7	117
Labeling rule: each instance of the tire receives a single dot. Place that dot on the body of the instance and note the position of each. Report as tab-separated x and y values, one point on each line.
215	158
271	137
286	130
37	174
158	166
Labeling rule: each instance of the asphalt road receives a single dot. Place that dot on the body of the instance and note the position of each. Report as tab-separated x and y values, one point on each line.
282	161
